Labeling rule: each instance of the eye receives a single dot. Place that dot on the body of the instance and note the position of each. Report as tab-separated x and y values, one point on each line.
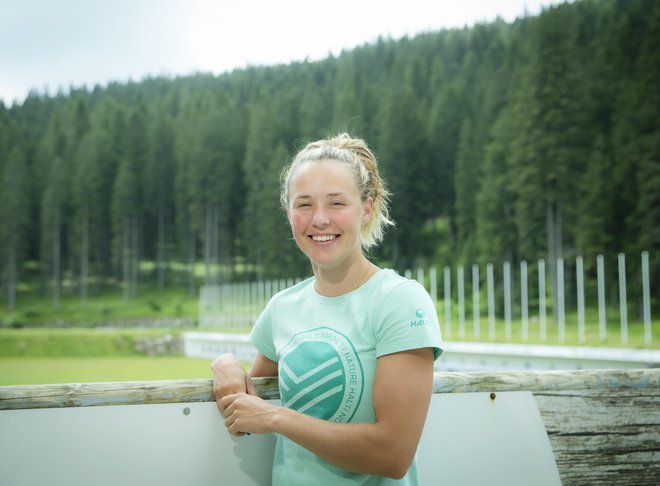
337	203
303	205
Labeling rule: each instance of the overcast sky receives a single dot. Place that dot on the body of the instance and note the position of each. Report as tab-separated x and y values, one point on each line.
56	44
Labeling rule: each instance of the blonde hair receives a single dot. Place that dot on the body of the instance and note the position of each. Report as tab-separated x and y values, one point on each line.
358	155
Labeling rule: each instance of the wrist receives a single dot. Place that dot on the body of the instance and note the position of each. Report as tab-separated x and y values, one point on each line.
225	361
280	417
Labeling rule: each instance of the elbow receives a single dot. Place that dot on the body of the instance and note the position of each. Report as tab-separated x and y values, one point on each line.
398	472
397	467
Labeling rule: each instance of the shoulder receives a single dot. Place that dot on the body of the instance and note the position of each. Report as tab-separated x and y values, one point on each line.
390	284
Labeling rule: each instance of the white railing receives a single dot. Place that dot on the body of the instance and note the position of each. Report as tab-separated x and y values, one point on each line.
236	306
541	317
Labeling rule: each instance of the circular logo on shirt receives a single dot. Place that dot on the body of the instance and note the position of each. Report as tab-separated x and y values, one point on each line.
321	375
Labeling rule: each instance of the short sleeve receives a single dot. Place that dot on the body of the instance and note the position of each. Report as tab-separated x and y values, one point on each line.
261	335
407	319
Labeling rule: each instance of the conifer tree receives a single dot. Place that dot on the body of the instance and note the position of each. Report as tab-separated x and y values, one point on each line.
14	217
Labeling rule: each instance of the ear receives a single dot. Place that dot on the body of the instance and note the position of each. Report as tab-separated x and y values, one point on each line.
367	210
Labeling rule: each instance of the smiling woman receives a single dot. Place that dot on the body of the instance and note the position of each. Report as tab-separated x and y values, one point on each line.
355	376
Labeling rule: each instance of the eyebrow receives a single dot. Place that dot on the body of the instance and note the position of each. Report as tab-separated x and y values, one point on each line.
330	194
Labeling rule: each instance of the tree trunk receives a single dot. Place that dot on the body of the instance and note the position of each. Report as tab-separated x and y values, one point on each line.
135	258
84	261
214	243
161	248
56	255
554	235
11	276
207	246
125	243
211	245
191	261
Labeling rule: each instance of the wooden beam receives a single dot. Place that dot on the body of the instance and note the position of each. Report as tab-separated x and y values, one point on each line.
182	391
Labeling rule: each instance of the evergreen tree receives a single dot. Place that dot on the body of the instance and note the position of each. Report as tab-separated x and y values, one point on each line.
53	220
159	192
14	217
260	206
125	218
466	183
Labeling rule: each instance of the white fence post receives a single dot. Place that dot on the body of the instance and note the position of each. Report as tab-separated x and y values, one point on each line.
507	300
420	277
646	296
623	303
447	289
579	275
461	301
491	301
523	300
602	315
475	301
433	284
560	300
542	309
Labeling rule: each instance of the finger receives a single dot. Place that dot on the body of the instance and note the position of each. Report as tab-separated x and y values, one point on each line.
225	402
233	430
230	423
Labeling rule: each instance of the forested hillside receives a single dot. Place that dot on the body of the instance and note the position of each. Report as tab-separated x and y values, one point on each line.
529	140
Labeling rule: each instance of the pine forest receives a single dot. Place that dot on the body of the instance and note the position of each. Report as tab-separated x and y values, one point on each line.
500	142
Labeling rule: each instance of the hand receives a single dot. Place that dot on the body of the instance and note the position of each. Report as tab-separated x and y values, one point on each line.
247	414
229	378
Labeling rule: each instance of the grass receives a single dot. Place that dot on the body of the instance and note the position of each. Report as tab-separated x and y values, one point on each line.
636	330
33	309
46	355
86	343
636	334
31	371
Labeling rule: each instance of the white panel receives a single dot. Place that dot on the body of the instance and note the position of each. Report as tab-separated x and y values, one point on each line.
471	439
468	439
146	445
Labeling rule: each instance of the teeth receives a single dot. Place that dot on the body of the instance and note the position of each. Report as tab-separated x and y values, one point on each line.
324	238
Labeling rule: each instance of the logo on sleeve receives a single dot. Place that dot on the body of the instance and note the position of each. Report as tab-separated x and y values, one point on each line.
321	375
419	318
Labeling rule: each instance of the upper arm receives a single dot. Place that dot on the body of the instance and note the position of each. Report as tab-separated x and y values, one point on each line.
401	396
262	366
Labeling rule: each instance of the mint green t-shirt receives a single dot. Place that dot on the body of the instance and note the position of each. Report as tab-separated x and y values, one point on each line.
326	349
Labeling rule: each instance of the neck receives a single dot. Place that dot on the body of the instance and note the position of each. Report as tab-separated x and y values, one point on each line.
332	282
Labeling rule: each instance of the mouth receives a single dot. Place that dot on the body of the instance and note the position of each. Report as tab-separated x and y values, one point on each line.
323	238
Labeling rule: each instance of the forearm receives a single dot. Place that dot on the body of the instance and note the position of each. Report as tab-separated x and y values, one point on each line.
369	448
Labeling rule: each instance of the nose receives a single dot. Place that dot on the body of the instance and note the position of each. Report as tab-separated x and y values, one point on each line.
320	219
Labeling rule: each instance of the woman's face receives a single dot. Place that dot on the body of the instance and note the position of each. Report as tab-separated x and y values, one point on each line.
326	212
